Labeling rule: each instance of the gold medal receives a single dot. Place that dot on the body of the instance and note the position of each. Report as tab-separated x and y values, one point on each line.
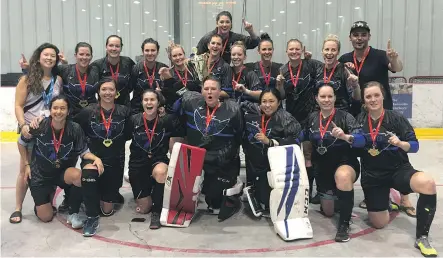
57	163
107	142
117	95
373	152
83	103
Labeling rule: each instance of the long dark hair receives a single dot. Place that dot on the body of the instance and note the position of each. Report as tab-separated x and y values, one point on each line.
60	97
35	75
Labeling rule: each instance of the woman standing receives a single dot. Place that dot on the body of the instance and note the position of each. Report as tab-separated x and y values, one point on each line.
32	97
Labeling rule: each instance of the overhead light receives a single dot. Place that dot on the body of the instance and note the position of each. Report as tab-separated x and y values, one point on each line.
300	22
273	20
186	23
357	8
160	26
193	37
147	12
341	16
83	10
328	3
63	0
165	31
126	23
292	2
282	11
313	30
118	30
277	35
266	26
136	2
154	20
109	5
261	31
98	6
284	33
169	35
327	23
318	28
98	18
304	35
110	24
143	33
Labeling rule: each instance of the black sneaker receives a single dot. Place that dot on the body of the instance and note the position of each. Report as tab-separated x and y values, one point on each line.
155	220
343	233
91	226
315	199
64	207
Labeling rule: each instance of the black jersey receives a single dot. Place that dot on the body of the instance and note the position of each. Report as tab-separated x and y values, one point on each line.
249	42
222	136
300	98
223	72
72	86
390	158
142	148
102	142
281	127
248	78
328	147
141	81
338	80
375	68
267	76
123	71
44	156
174	88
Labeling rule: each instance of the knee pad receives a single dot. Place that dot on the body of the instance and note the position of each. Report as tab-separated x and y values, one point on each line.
289	200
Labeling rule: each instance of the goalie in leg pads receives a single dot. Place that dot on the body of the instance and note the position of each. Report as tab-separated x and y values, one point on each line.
183	185
289	201
266	126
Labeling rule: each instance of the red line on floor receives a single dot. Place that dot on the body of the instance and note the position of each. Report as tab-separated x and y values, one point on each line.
395	194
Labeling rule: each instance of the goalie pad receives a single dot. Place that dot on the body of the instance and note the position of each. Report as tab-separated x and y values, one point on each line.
183	185
289	201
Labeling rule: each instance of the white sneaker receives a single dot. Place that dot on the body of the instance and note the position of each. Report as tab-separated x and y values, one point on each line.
75	221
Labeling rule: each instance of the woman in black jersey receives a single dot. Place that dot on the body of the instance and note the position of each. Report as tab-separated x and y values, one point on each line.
58	144
266	125
337	167
389	137
148	163
245	83
145	73
104	124
266	70
224	26
345	84
118	67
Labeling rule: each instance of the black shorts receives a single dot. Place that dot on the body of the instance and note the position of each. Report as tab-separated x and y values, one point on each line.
140	177
325	173
377	190
110	181
43	190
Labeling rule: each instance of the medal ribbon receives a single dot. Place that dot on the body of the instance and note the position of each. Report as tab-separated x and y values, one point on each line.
47	97
234	81
295	81
210	69
324	129
374	134
82	82
115	75
183	80
224	46
57	143
150	135
263	125
328	79
152	77
209	116
357	67
266	78
107	122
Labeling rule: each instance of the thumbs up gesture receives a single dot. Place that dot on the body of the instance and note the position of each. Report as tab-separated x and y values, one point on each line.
391	53
247	26
280	79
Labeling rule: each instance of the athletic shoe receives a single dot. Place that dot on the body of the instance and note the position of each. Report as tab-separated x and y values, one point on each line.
343	233
75	221
422	243
91	226
155	220
315	199
64	207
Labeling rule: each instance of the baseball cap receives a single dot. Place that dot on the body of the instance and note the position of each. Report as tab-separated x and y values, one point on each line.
360	25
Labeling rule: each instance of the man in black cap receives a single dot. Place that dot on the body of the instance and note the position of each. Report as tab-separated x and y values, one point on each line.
373	64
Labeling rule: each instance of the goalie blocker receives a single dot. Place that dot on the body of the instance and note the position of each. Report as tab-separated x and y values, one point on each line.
289	201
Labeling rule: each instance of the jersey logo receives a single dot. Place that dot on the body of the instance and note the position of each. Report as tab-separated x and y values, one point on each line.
75	90
215	126
142	140
251	130
115	130
47	150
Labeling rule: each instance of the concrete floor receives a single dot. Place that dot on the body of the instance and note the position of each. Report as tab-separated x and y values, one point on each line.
239	236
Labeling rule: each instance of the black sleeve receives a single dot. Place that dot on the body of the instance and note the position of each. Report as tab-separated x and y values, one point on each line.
202	46
350	123
407	133
226	80
176	127
82	118
342	59
306	127
238	125
291	129
254	81
81	146
250	43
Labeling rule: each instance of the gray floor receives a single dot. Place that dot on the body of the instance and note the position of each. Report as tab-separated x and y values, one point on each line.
238	236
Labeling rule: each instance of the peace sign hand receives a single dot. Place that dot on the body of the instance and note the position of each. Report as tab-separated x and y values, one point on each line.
307	54
391	53
164	73
61	55
247	26
23	62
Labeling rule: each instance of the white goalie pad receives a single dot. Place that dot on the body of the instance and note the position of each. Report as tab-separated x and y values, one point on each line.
289	201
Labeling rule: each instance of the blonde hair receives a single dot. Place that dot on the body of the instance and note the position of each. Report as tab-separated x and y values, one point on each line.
239	44
334	38
172	46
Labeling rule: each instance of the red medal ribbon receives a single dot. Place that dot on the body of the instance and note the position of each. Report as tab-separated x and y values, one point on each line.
107	122
374	134
224	46
295	81
209	116
324	129
183	80
57	143
266	78
152	77
82	82
263	125
210	69
115	75
150	135
328	79
357	67
234	81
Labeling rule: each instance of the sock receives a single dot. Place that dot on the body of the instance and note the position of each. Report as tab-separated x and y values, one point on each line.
90	192
75	199
426	207
311	177
157	197
346	203
67	190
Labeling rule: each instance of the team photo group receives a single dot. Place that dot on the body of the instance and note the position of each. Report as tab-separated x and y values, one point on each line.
308	129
